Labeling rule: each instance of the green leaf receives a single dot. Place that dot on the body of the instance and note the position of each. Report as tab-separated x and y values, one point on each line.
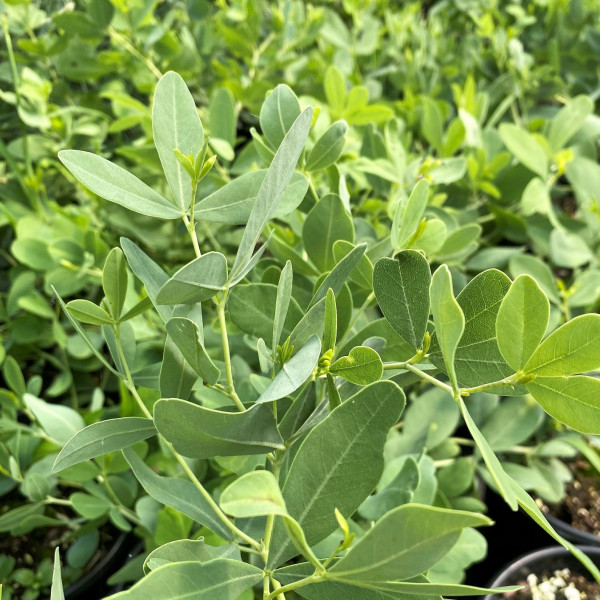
405	542
362	366
478	359
114	280
234	202
117	185
525	148
312	323
401	286
197	281
432	123
349	446
574	401
572	348
328	148
253	495
252	309
536	199
448	318
186	337
408	215
149	273
59	422
526	264
501	479
141	307
186	551
222	115
200	432
276	181
278	113
335	89
568	121
522	321
294	372
220	579
282	302
88	312
362	274
56	591
176	126
326	223
339	274
101	438
569	250
13	376
180	494
176	378
90	507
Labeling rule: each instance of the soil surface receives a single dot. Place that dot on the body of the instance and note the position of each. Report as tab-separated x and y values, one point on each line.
581	506
560	585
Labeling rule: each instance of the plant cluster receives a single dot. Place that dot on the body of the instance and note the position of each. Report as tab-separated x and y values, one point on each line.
284	331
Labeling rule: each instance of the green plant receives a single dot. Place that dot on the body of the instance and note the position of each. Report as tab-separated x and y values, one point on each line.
308	428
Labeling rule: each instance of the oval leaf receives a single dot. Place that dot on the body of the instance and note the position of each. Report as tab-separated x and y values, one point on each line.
361	367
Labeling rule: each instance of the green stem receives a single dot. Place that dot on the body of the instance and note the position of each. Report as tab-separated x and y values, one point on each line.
191	228
429	378
52	500
186	468
226	353
116	36
359	312
315	578
512	380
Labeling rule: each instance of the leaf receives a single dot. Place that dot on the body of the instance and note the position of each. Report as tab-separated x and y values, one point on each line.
572	348
186	551
326	223
282	302
253	495
536	199
88	312
574	401
501	479
176	126
90	507
526	264
312	323
568	121
328	148
56	591
339	274
220	579
362	366
234	202
186	337
59	422
13	376
478	359
278	113
197	281
276	181
252	309
117	185
200	432
294	372
408	215
335	88
405	542
448	318
180	494
114	281
525	148
401	286
362	274
569	250
176	378
522	321
101	438
349	446
330	326
149	273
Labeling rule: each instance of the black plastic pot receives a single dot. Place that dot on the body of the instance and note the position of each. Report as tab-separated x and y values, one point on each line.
546	559
572	534
93	584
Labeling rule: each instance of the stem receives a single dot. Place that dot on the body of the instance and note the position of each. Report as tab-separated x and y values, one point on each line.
512	380
116	36
429	378
52	500
295	585
359	312
191	228
225	341
186	468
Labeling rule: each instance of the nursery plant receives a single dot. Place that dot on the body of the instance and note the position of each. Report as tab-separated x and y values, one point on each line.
304	434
